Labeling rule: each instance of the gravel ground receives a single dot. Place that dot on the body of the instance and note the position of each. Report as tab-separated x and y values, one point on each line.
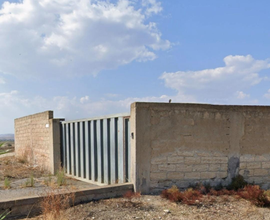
155	207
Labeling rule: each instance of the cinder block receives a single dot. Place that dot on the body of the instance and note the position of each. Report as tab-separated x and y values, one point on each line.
185	153
260	172
216	160
175	175
166	167
253	165
204	154
192	160
208	175
200	167
215	167
176	159
184	168
246	172
154	184
222	175
247	158
159	160
243	165
192	175
158	176
261	158
224	167
154	168
265	165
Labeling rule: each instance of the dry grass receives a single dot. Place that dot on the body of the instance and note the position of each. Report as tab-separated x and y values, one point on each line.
191	196
53	205
130	194
13	169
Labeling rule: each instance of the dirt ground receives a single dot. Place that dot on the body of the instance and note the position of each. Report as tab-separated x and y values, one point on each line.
142	207
155	207
15	169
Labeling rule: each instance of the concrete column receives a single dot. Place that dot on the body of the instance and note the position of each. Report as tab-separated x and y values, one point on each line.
140	147
55	145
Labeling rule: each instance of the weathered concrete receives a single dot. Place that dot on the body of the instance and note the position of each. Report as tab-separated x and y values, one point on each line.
37	139
22	207
183	144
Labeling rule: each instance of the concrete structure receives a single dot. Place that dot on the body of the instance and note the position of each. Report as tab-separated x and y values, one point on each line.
183	144
173	144
30	205
37	139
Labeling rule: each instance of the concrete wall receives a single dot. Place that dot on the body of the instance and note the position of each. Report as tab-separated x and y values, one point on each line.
37	139
183	144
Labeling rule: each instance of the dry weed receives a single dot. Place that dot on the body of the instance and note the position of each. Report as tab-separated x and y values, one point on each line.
53	205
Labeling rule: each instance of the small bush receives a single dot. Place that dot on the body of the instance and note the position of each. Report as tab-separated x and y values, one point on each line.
53	204
6	183
173	194
130	194
254	194
237	183
30	182
61	178
189	196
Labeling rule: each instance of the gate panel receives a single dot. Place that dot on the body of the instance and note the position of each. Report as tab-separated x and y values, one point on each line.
97	149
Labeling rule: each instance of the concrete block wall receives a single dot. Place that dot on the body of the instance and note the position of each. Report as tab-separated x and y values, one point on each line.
183	144
37	139
182	167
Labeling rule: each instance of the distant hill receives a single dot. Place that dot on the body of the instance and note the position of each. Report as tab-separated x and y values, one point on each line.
6	136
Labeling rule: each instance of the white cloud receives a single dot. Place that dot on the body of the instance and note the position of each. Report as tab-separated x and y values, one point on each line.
219	84
241	95
76	37
84	99
153	7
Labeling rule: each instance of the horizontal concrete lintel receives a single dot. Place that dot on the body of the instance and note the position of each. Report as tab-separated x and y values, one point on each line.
97	118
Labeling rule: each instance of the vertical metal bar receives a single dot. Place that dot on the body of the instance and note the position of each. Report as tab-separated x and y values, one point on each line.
112	151
82	149
128	148
105	151
93	151
77	149
68	147
72	152
120	149
63	146
99	151
87	150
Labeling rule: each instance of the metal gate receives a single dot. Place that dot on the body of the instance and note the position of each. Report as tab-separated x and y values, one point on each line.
97	149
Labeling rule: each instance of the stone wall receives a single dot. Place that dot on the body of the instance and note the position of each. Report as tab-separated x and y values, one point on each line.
37	140
183	144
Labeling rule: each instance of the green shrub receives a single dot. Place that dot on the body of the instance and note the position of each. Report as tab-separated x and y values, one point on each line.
237	183
6	183
61	178
30	182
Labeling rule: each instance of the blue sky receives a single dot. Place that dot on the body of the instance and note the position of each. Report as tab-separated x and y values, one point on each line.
85	58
